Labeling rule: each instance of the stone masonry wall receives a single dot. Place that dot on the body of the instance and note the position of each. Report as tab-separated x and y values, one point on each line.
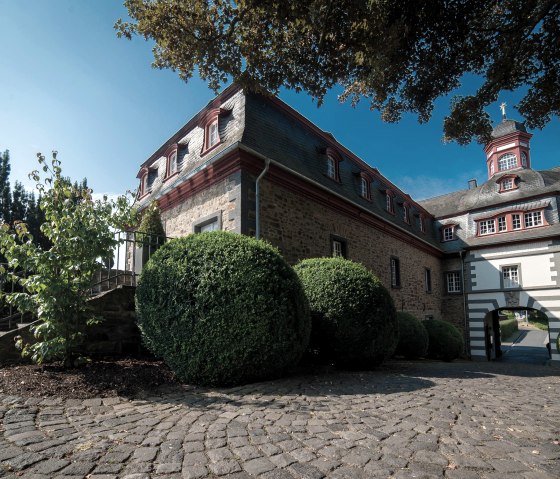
301	229
452	305
222	199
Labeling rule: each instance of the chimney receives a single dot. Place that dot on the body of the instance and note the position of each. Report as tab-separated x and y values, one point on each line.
472	184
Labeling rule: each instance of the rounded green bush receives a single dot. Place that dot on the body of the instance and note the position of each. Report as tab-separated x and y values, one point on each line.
222	309
413	337
445	341
353	316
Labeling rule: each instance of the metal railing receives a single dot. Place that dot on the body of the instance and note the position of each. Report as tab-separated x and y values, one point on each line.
133	250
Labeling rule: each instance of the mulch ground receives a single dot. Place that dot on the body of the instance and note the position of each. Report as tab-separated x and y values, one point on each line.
101	378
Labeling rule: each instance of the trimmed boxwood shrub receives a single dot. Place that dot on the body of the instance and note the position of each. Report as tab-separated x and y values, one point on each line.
413	337
445	341
222	309
508	327
353	316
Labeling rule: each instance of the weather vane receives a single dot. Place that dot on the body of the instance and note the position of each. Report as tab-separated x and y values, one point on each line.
503	108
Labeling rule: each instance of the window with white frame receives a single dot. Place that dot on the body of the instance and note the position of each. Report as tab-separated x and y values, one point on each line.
448	233
422	223
213	226
533	218
453	282
338	248
486	227
173	164
516	221
213	136
510	276
523	158
406	213
389	203
507	184
507	162
491	168
331	167
364	187
502	224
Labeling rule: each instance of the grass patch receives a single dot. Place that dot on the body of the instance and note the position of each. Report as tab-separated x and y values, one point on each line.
538	320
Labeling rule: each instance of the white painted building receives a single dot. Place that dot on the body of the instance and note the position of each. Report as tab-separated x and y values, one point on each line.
502	242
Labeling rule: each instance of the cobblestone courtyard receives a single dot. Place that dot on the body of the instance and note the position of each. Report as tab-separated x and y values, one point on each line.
420	419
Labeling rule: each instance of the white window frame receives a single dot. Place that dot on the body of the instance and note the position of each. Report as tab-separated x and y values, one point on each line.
173	163
508	184
511	277
390	203
502	224
507	162
491	168
213	134
331	167
532	219
337	251
486	227
364	188
453	282
523	159
406	213
516	221
448	233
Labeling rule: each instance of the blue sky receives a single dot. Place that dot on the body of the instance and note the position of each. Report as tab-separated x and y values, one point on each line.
68	83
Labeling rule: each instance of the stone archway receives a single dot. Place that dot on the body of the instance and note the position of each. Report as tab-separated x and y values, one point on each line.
479	305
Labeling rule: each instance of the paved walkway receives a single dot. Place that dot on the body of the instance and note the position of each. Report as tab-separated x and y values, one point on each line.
529	347
411	419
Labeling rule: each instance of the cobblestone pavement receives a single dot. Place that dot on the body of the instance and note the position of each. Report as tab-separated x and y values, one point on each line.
418	419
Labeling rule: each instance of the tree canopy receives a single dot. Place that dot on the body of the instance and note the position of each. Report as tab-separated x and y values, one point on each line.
400	56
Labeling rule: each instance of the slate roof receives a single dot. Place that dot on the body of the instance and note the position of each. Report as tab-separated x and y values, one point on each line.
530	182
506	127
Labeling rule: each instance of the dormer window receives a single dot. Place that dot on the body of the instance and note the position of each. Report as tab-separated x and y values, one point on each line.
212	135
507	183
406	213
422	223
448	232
333	160
171	162
507	162
486	227
390	202
210	122
364	190
144	185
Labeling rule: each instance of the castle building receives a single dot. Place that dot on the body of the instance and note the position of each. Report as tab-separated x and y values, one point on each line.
250	164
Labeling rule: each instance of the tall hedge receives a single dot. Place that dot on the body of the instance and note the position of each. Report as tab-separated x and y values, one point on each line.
445	340
353	315
222	309
413	337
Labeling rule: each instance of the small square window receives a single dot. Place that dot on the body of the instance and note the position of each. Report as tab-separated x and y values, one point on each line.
209	223
395	273
448	233
507	184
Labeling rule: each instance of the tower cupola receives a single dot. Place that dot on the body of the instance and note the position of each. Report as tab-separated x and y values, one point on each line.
509	148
